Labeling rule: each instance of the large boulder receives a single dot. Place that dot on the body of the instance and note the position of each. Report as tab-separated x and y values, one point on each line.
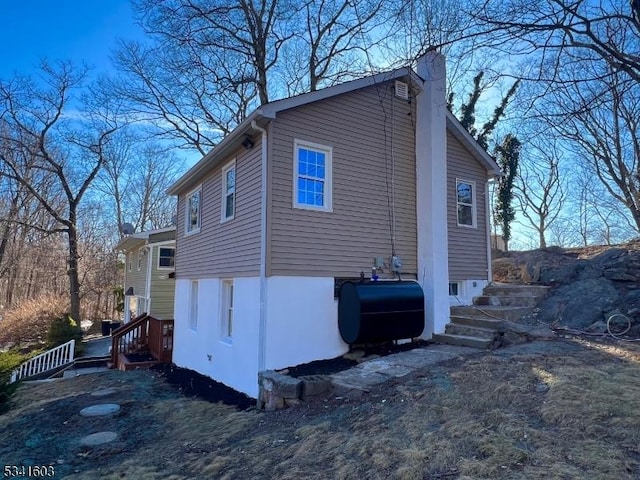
579	304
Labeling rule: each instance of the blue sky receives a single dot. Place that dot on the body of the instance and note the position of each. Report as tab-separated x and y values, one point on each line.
78	30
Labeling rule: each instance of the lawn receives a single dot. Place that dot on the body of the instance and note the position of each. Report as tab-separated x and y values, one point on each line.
555	410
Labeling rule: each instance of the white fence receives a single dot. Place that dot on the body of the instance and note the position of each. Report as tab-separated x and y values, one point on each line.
54	358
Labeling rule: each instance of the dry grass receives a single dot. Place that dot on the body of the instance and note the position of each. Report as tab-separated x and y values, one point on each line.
29	322
573	414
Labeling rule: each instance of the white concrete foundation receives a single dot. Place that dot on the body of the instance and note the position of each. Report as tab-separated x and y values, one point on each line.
302	321
467	290
302	326
233	362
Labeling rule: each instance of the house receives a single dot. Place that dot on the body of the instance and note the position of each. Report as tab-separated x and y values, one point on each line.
372	175
149	285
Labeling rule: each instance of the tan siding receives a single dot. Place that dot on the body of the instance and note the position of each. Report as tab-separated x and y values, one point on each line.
162	289
345	241
467	246
231	248
136	278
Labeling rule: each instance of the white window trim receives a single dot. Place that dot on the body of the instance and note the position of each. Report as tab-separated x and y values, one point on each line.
174	257
139	258
474	208
226	302
328	183
198	189
229	166
193	306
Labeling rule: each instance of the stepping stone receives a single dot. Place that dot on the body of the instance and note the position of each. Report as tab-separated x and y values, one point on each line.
385	366
103	392
100	410
99	438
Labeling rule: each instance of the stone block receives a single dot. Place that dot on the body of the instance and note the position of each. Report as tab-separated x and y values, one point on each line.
314	386
281	385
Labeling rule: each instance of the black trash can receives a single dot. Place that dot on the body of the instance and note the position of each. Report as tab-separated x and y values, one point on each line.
115	325
106	328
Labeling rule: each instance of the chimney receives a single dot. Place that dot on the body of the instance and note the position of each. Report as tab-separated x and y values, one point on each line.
431	191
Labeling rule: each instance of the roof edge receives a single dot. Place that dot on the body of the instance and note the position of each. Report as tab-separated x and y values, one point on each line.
221	148
479	153
270	111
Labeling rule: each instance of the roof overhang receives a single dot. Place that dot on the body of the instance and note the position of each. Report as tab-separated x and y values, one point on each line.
137	240
130	242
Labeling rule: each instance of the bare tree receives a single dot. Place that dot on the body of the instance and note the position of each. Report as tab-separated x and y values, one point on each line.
541	192
564	32
334	34
207	64
600	217
600	122
37	120
583	57
134	180
187	98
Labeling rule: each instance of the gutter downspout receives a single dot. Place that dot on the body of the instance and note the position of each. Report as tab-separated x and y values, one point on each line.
126	298
262	326
487	206
149	250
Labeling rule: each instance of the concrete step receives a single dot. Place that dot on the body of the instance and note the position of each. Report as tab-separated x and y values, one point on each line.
512	289
470	331
491	311
462	340
506	300
480	322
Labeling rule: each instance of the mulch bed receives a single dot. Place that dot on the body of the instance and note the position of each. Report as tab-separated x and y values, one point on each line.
193	384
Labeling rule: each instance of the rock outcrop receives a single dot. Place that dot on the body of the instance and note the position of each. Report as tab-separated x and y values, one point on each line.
588	285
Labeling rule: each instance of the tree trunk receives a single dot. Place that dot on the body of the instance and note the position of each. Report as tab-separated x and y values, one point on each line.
72	272
543	241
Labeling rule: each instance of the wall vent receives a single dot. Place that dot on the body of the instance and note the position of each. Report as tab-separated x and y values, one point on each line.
402	90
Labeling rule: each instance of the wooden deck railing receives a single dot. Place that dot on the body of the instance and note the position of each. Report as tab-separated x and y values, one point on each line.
161	339
49	360
130	338
143	333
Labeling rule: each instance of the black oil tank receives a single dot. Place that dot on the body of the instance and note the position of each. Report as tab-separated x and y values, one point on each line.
371	312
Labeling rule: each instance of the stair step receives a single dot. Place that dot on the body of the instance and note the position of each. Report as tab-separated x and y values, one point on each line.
87	362
471	331
506	300
462	340
481	322
508	289
491	311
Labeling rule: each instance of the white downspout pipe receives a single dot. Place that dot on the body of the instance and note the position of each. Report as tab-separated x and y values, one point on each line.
262	326
487	206
149	250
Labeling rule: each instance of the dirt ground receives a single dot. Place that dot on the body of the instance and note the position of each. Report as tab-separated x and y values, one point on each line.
565	409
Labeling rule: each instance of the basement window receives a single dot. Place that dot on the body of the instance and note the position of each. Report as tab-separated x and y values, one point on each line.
227	311
454	289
